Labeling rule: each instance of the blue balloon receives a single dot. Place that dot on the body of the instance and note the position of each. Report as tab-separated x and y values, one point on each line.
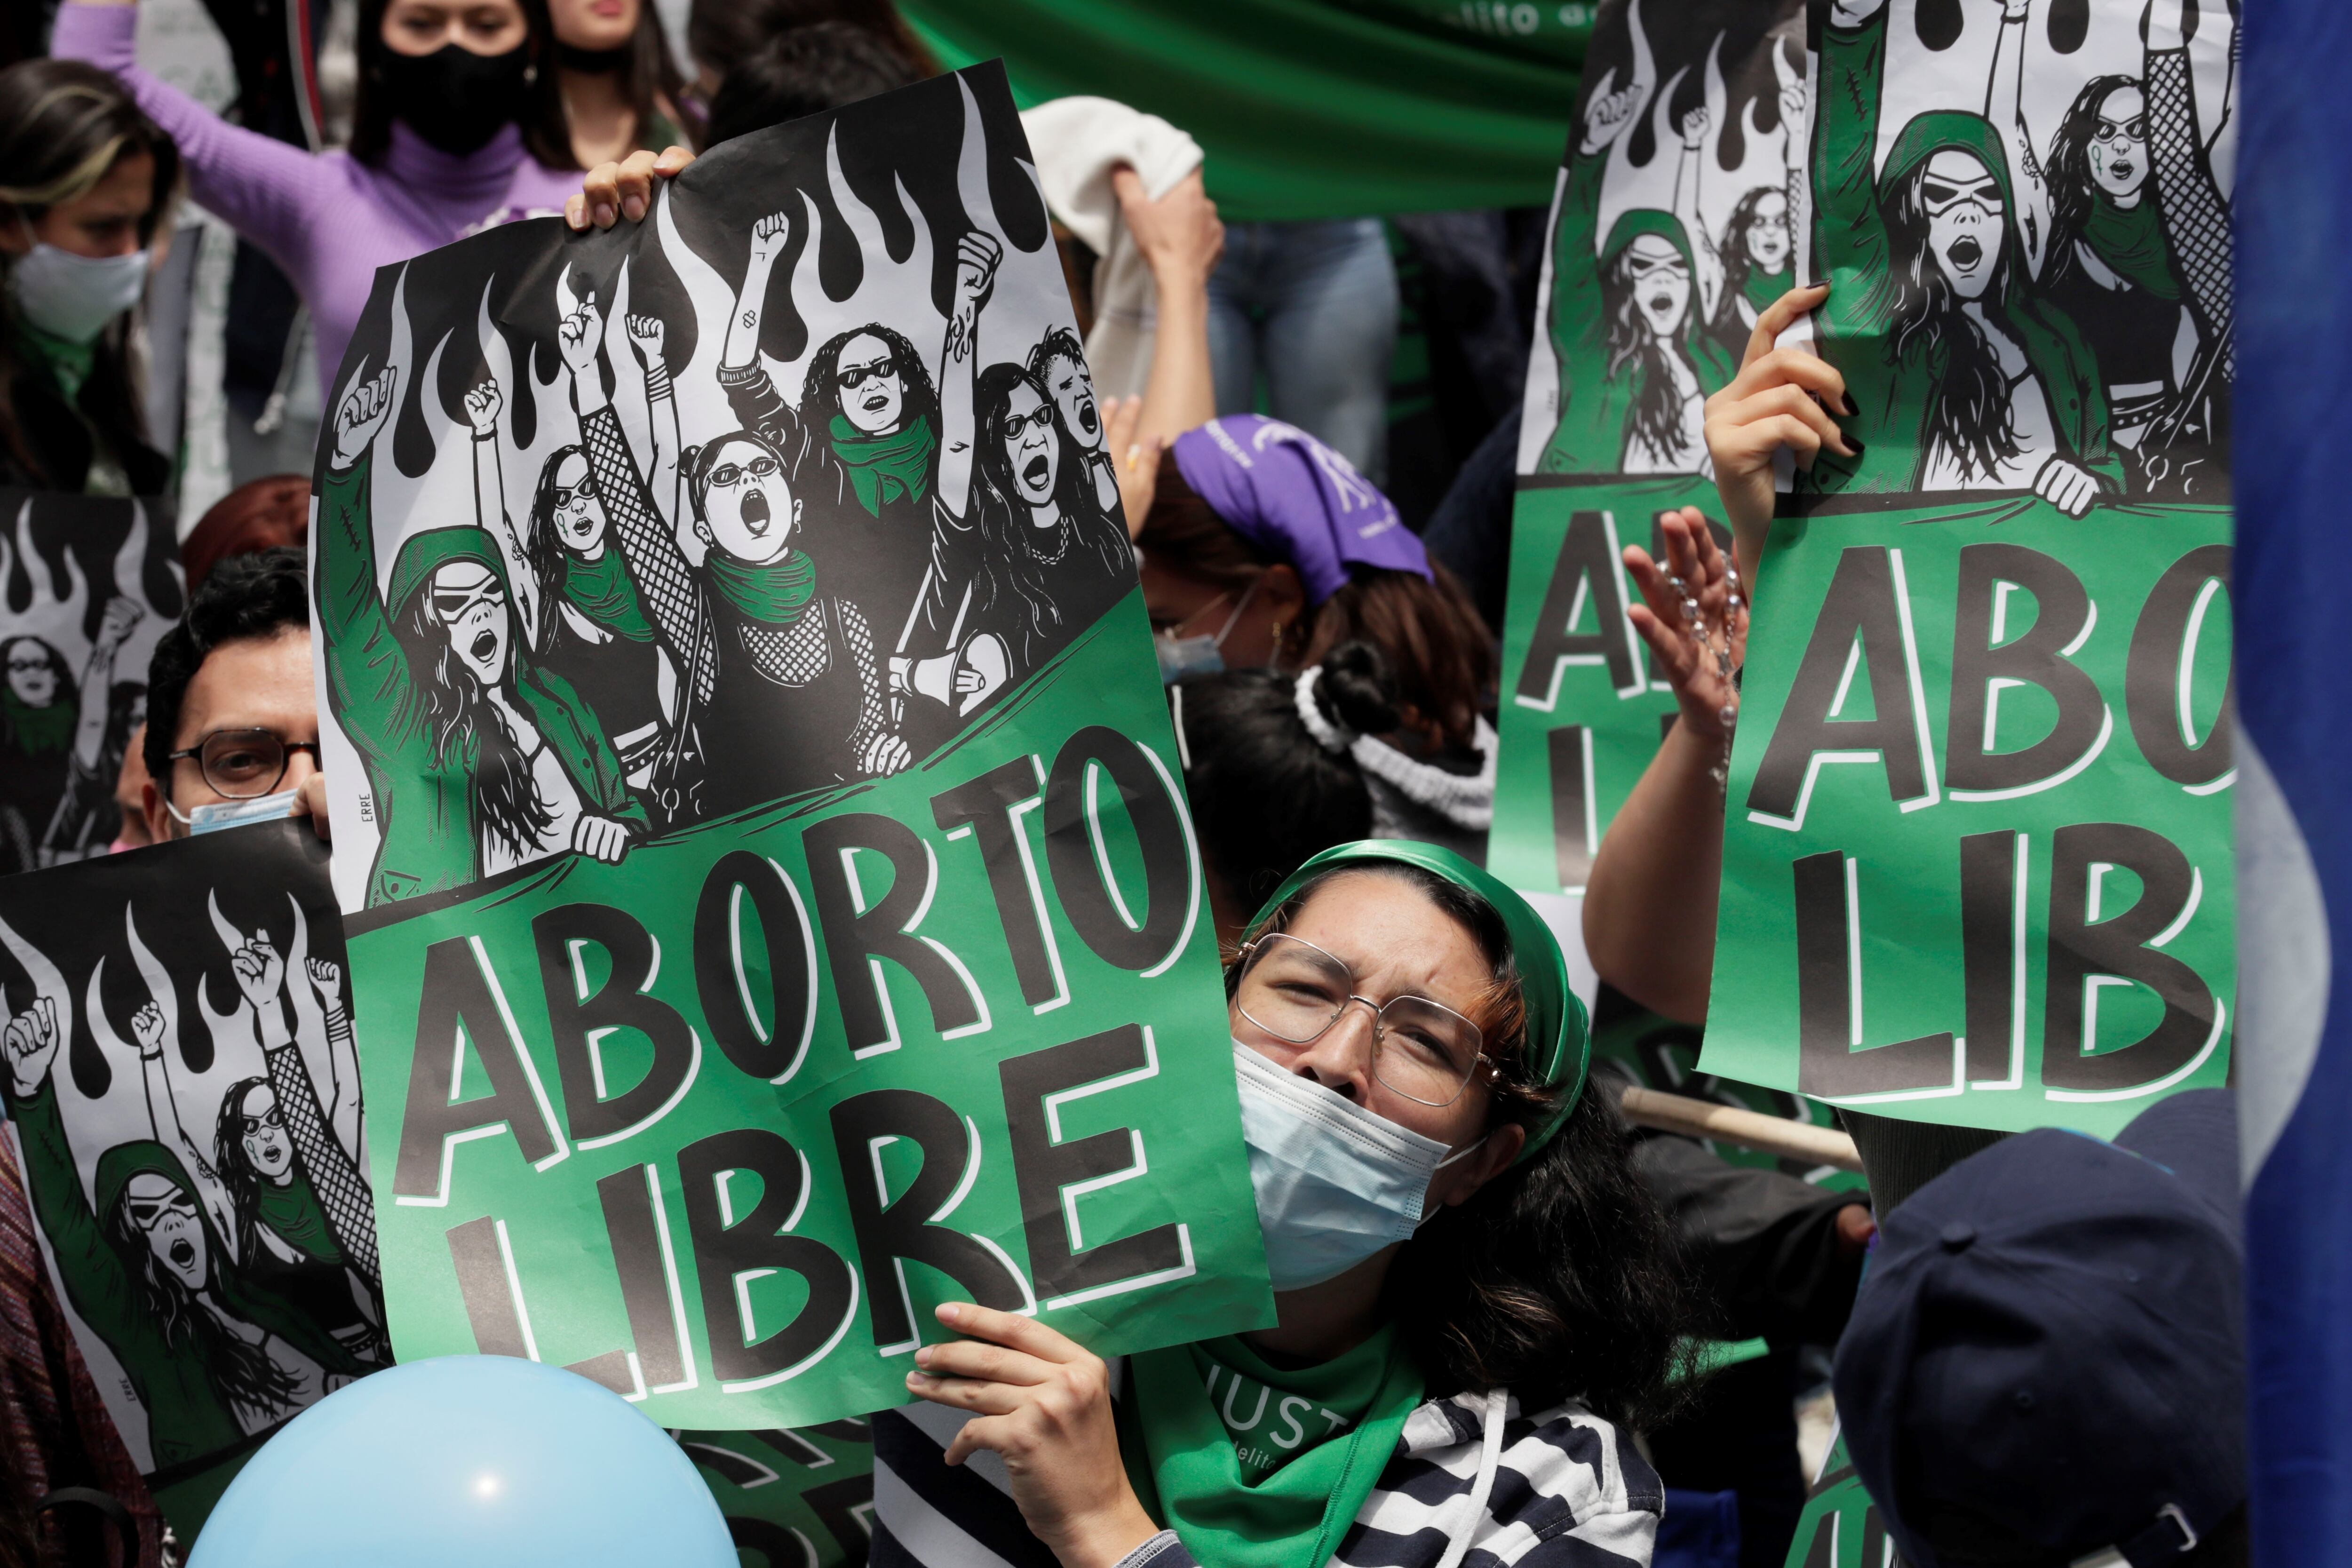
467	1461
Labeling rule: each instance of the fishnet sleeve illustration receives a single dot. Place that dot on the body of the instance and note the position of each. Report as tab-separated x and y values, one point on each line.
654	560
859	638
2196	218
342	1190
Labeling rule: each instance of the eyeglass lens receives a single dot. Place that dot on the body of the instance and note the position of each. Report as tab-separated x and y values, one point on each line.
1295	991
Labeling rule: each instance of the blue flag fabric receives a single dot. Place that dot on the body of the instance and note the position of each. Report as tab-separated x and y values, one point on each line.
2294	216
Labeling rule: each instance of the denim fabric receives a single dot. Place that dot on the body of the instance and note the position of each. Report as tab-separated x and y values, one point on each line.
1313	306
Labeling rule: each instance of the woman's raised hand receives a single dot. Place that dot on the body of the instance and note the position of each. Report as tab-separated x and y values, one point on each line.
625	189
482	406
1694	616
1042	1403
1775	401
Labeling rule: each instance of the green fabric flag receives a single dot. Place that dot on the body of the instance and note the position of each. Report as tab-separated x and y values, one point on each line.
1255	1466
602	590
775	593
1308	108
884	468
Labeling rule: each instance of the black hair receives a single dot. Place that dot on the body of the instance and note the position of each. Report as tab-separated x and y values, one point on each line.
241	1372
1004	525
721	31
821	393
801	71
68	688
459	717
1738	262
1656	412
1561	1278
1265	795
2071	189
546	132
1968	413
246	598
236	1171
542	544
64	124
695	463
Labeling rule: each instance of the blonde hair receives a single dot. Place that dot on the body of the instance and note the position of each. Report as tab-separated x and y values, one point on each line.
82	177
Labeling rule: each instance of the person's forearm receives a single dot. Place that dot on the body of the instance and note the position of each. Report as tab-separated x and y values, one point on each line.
1180	394
1650	902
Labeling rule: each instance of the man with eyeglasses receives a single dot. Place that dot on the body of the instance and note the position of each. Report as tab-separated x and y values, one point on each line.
232	714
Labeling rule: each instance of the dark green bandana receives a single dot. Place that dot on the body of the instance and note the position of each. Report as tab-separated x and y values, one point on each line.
1762	287
1259	1467
602	590
884	468
69	364
38	731
776	594
2130	240
294	1213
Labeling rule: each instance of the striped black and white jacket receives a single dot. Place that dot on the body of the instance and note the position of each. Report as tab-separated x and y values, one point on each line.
1474	1483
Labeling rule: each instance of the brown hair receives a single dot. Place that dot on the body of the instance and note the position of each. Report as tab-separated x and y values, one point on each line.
546	134
64	125
258	515
1438	647
720	32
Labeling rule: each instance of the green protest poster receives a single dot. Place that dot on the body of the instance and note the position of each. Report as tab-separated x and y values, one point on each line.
1841	1527
1976	862
772	907
1673	225
796	1499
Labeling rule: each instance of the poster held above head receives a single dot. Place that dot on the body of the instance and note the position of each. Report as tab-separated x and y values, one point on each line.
755	809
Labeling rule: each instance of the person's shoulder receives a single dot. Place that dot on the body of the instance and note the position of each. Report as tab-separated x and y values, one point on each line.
1567	1486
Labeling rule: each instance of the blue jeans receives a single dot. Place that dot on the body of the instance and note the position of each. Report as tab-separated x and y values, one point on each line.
1313	305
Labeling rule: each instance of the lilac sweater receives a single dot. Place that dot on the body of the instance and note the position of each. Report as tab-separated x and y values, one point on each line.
328	219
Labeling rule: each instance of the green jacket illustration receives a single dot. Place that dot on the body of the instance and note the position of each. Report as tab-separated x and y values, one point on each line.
424	801
1596	395
1854	252
188	1415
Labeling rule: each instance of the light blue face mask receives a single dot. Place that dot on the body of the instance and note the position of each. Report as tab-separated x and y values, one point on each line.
1200	654
1335	1182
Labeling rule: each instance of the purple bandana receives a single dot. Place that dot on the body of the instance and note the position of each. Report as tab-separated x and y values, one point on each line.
1298	500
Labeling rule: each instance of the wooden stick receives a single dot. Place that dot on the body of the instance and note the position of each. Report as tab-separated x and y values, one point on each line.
1747	1129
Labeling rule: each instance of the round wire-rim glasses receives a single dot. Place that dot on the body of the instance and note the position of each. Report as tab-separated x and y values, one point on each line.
1420	1047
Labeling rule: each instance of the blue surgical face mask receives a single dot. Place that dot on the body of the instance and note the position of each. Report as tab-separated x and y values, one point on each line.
1200	654
1335	1182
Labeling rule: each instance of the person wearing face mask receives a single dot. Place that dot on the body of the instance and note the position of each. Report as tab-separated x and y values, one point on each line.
1261	546
459	124
1475	1302
620	85
88	178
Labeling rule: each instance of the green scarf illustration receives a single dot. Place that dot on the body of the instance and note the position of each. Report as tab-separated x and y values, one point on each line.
39	732
2130	241
604	591
294	1212
887	467
775	593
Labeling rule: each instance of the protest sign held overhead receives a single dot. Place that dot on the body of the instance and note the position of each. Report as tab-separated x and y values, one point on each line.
1672	227
1977	860
87	583
185	1101
773	903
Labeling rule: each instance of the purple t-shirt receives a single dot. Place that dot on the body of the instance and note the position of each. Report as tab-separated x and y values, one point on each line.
329	220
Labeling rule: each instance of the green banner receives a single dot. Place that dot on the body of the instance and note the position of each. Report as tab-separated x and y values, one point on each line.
793	1499
1976	855
772	906
1841	1527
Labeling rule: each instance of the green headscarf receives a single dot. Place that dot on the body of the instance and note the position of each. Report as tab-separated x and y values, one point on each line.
886	467
775	593
1560	1042
604	591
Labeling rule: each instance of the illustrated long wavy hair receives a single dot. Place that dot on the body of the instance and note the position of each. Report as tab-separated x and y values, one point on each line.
236	1171
1656	414
458	717
2072	190
821	395
1738	261
542	545
1968	411
241	1373
1097	542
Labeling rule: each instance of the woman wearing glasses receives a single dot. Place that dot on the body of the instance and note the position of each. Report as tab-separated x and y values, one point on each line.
1474	1295
479	760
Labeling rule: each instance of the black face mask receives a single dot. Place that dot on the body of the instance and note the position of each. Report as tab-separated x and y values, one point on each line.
453	98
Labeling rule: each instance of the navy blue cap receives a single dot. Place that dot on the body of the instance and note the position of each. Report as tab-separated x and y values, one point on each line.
2047	1356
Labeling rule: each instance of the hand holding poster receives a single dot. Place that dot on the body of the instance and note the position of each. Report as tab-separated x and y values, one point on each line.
1977	856
771	899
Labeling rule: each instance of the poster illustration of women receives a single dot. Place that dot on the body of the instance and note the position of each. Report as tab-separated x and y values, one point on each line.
772	904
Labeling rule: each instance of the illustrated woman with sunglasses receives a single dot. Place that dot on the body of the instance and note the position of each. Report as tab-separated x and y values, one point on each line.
1962	374
862	451
2138	248
479	760
1475	1302
1636	361
212	1355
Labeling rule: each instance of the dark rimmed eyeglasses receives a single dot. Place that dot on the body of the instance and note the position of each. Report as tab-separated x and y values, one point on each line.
242	765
